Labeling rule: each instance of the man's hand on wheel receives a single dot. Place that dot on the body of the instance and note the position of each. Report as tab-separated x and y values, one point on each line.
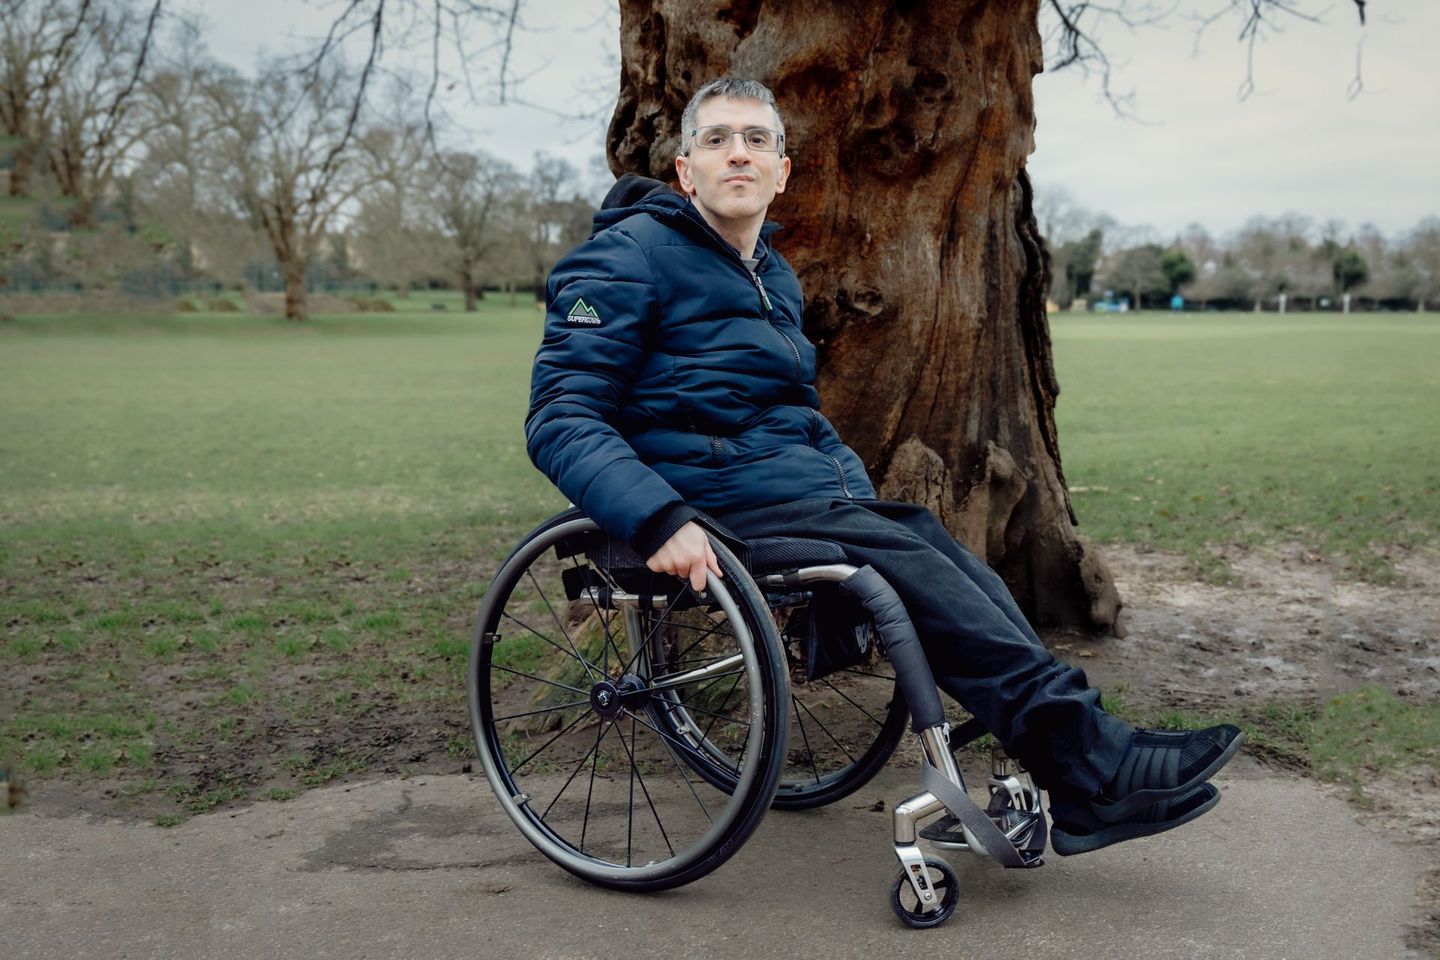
686	554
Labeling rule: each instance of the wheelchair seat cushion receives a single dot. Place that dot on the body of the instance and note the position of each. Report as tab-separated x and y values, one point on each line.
770	554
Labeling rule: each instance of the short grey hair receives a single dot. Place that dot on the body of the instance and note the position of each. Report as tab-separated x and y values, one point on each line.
728	87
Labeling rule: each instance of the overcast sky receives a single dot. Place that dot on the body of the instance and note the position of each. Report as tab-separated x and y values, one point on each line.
1197	154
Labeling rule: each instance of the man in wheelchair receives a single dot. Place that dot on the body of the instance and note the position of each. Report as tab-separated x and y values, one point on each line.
674	378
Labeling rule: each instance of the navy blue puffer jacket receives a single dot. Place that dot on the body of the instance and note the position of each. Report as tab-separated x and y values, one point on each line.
670	378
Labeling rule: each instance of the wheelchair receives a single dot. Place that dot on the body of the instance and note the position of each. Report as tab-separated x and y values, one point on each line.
637	731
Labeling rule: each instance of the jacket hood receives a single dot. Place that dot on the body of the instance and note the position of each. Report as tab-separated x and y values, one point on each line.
633	194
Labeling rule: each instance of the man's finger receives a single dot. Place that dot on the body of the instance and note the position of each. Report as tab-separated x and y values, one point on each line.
697	576
712	561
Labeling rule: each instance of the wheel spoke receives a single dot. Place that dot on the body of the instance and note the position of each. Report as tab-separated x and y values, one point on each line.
723	704
531	713
630	806
863	673
589	667
851	702
691	708
606	616
698	640
805	738
564	730
826	731
594	761
578	767
645	644
531	676
636	774
666	740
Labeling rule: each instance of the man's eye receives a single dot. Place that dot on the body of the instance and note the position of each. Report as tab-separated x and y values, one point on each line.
757	138
713	138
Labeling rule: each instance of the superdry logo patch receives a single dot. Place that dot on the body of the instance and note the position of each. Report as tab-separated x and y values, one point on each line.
583	314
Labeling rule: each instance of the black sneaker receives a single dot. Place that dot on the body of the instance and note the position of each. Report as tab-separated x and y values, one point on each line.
1078	830
1164	765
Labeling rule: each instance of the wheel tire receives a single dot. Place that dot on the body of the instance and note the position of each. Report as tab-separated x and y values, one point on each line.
501	738
943	880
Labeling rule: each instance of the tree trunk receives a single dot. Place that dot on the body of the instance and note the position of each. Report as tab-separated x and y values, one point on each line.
909	219
24	158
297	302
467	284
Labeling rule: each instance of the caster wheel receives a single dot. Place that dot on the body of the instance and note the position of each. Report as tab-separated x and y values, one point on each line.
912	911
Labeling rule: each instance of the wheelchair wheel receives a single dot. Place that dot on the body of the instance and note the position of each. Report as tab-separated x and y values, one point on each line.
843	729
567	702
907	906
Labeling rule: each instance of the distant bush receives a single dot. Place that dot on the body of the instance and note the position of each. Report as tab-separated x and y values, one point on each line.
372	305
222	305
186	305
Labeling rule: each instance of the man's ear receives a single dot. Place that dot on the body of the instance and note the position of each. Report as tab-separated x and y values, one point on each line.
784	175
682	173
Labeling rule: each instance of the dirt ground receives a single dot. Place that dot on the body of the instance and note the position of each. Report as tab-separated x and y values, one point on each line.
1292	628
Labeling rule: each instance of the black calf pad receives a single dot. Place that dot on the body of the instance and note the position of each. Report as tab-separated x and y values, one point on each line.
912	670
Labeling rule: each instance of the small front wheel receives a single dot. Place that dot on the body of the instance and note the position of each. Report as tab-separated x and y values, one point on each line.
910	909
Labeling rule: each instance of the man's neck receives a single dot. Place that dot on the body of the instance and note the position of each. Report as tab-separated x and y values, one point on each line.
742	235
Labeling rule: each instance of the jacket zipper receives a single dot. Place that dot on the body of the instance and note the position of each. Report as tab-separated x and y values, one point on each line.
734	257
759	285
839	472
793	349
844	487
717	447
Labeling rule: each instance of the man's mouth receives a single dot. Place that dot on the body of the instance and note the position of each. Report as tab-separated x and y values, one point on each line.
743	178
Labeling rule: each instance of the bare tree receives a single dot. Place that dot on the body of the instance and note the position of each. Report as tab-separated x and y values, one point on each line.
551	194
37	42
94	125
394	236
469	196
1422	252
288	166
180	176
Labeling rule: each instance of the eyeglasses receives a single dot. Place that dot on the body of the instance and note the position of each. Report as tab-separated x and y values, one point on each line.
718	137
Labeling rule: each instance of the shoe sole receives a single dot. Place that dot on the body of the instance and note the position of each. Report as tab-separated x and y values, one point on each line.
1068	844
1140	799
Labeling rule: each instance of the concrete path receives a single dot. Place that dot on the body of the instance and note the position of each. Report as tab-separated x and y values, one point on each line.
429	867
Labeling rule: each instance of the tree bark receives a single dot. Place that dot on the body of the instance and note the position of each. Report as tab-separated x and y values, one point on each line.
909	220
467	284
297	303
24	157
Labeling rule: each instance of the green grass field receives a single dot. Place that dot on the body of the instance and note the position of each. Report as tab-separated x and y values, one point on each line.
1179	432
239	556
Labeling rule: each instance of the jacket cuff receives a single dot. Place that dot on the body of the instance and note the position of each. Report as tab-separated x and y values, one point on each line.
661	527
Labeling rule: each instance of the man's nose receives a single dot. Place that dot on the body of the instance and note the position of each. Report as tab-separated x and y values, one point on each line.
738	151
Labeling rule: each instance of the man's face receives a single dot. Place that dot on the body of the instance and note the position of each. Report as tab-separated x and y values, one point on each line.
733	183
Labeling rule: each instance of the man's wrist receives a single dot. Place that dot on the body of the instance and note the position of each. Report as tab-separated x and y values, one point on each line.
655	531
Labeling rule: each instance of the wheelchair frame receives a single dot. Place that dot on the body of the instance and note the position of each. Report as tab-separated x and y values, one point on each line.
1010	829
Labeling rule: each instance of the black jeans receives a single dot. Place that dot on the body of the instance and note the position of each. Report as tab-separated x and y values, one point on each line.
980	647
